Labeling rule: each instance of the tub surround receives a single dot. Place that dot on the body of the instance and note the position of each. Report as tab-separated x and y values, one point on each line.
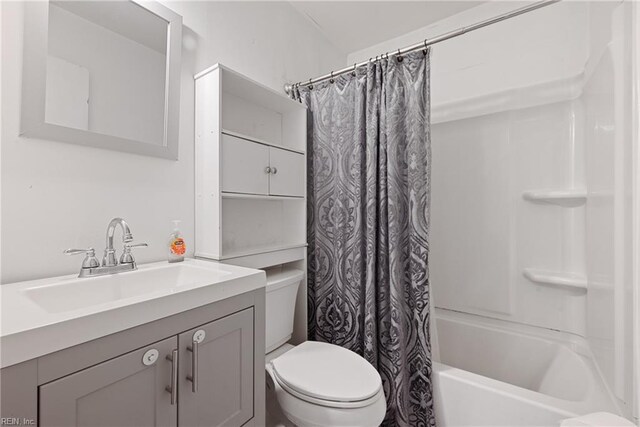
532	171
515	374
43	316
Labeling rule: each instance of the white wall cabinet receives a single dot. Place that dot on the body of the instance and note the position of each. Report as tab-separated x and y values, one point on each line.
250	172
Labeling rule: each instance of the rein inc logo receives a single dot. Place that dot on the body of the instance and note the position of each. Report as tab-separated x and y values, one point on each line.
15	421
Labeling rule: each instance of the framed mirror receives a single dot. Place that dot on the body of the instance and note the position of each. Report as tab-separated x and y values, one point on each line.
103	74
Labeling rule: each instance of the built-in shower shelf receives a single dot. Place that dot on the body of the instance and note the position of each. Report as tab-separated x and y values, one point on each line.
569	281
566	198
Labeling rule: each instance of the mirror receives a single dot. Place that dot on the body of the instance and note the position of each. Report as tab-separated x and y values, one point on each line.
104	74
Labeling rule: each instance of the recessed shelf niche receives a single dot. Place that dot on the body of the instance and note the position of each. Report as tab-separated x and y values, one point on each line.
563	280
565	198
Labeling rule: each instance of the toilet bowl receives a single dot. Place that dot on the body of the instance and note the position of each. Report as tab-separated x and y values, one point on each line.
314	383
319	384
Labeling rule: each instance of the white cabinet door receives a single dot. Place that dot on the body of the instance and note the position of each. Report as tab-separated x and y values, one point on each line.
244	166
287	173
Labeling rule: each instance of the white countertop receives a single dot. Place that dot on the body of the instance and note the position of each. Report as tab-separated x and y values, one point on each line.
36	318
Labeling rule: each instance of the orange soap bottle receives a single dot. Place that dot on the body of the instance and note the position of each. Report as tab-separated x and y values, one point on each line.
177	246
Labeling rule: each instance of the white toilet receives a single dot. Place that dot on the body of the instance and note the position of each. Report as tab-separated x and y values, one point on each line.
314	383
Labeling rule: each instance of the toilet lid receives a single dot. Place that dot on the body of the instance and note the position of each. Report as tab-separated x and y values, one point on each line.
327	372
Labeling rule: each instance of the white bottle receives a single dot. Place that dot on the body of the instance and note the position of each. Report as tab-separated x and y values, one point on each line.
177	247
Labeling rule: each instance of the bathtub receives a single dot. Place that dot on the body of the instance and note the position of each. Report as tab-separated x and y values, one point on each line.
497	373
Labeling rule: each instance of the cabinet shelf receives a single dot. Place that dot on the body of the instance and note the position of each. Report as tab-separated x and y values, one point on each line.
569	281
246	196
566	198
260	141
252	251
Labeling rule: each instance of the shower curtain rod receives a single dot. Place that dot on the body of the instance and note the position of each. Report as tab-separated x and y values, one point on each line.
428	42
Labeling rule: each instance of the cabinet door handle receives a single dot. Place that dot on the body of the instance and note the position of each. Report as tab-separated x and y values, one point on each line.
267	170
274	170
173	389
194	366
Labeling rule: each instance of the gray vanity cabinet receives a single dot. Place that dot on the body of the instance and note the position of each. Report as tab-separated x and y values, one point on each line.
120	392
109	382
222	368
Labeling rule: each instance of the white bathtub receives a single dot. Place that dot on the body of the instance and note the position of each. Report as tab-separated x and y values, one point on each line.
497	373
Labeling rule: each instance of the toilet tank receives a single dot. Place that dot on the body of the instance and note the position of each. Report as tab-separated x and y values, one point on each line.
281	291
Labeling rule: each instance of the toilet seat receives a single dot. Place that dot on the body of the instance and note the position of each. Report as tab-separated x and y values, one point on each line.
327	403
327	375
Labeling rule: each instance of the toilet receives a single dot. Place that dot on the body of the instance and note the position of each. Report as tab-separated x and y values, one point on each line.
313	383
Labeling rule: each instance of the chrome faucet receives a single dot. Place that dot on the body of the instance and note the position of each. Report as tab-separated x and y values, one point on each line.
110	265
109	259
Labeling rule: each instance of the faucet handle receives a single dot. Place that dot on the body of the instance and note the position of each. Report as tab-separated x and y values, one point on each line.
136	245
127	257
88	251
90	261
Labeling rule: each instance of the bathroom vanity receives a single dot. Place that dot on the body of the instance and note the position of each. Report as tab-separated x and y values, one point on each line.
169	344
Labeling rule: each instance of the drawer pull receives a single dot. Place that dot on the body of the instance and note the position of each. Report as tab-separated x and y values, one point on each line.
194	366
173	389
198	337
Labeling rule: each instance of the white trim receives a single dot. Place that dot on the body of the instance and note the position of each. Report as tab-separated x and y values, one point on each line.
517	98
635	226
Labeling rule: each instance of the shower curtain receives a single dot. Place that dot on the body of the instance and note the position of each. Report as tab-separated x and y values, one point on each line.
368	165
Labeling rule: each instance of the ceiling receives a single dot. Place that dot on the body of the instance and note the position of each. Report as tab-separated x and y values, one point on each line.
355	25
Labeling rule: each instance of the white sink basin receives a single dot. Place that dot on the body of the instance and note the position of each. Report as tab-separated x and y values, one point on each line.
42	316
78	293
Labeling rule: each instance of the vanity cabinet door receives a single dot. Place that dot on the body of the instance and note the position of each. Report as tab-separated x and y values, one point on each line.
244	166
120	392
287	173
222	366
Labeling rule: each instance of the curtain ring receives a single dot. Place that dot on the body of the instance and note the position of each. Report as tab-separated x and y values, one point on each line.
310	85
353	73
399	56
331	80
426	47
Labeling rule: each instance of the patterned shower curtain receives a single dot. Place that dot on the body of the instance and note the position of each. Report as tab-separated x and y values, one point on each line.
369	160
